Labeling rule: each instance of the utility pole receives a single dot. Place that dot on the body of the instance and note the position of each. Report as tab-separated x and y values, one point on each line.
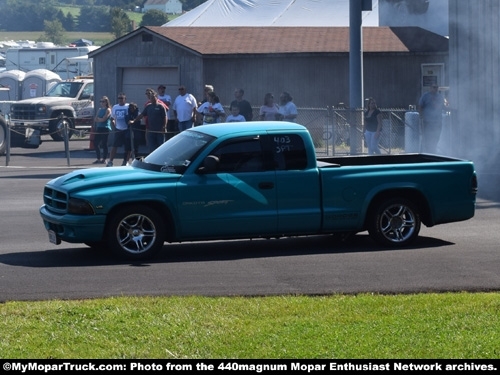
356	69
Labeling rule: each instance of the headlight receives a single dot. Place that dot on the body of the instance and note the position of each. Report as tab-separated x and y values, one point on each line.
42	109
80	207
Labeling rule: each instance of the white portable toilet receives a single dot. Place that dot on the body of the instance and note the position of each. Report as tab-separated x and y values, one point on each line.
13	80
37	82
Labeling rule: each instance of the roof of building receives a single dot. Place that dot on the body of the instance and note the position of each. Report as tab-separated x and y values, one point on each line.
156	2
275	40
321	13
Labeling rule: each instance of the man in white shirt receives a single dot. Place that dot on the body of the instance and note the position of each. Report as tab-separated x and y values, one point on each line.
184	109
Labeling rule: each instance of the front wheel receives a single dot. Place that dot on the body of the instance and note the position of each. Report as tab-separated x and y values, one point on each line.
136	232
396	222
56	128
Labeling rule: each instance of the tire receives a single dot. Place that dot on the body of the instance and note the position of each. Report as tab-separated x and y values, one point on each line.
395	222
3	135
135	232
56	128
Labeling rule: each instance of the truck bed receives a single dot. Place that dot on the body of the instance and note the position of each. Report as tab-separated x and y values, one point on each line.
360	160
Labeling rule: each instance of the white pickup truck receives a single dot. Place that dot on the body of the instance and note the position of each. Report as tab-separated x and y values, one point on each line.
69	103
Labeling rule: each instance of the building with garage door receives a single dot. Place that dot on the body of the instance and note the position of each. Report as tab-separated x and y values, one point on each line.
312	63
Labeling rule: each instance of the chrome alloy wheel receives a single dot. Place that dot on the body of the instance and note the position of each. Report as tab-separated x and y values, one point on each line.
397	223
136	233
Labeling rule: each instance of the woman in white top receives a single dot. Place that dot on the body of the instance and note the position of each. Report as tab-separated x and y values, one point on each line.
269	110
287	108
212	110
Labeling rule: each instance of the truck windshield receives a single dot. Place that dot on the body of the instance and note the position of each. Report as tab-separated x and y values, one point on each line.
177	153
65	89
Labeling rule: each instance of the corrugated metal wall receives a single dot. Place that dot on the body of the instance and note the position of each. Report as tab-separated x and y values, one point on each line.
320	81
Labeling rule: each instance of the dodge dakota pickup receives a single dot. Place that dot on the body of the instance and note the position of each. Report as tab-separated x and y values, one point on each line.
254	180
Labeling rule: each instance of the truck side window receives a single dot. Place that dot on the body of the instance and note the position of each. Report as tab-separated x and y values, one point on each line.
289	152
88	91
244	155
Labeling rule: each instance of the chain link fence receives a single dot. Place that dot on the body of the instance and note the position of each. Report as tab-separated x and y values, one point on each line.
333	134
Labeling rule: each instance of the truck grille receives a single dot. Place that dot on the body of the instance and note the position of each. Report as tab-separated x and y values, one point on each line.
23	111
55	200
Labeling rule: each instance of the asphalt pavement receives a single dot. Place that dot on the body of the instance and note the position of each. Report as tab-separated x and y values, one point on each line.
78	153
459	256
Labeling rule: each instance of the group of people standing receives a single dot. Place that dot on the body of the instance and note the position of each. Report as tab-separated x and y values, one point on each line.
125	120
430	107
211	111
286	110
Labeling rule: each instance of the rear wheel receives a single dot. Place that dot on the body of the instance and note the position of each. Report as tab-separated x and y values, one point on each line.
396	222
136	232
57	126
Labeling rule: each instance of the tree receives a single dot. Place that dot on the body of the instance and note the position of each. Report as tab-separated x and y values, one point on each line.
25	15
154	17
94	19
54	31
68	22
120	22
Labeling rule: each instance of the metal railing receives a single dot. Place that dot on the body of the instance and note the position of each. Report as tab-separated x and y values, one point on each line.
332	133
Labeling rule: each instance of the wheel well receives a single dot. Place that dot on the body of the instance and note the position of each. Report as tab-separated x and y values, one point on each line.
161	208
414	196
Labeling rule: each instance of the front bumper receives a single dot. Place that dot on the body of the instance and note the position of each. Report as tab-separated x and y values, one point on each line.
74	228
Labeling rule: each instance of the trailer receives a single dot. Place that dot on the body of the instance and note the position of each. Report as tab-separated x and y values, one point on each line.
55	59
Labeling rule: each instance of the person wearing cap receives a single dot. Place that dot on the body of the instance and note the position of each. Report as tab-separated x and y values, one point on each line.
165	98
184	109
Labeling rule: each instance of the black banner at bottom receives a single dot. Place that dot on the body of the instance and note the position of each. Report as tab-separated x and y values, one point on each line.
306	366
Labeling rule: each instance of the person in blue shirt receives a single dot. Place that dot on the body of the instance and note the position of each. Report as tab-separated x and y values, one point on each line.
102	127
430	108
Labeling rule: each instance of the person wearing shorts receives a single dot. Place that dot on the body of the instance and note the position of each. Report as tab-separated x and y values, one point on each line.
119	114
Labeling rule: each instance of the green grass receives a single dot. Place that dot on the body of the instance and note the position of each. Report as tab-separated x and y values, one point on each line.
99	39
448	325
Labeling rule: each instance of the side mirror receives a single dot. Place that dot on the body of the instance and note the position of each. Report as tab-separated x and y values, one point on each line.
210	164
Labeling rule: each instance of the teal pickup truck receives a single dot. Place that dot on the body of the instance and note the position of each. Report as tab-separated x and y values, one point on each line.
254	180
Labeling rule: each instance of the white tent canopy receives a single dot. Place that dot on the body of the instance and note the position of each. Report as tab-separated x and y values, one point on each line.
232	13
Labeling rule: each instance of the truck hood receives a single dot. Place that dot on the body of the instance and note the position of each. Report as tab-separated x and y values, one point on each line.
47	100
114	178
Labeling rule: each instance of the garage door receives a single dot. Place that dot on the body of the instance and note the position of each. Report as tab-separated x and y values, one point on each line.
137	80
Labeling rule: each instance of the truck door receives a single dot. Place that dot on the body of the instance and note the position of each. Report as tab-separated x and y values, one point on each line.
237	200
297	186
